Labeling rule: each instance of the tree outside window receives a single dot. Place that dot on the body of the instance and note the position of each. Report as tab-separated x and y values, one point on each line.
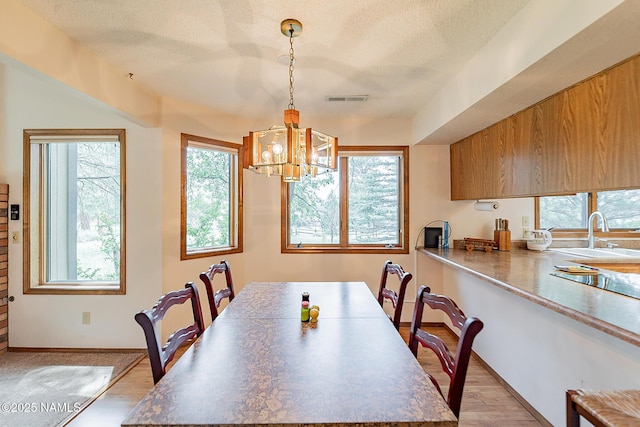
361	207
621	208
374	199
74	211
211	216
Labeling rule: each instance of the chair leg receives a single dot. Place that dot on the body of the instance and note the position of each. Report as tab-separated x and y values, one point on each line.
573	417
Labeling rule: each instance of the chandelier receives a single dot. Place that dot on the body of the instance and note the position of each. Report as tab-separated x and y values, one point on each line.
290	151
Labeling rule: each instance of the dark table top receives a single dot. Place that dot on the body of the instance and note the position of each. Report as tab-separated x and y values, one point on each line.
258	364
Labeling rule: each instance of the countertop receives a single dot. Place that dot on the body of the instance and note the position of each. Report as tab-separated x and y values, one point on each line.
528	274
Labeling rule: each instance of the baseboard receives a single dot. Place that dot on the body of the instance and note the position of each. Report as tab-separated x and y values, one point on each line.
77	350
534	413
537	415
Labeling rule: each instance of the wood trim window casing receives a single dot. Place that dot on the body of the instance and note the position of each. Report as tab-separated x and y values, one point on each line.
71	289
402	248
236	208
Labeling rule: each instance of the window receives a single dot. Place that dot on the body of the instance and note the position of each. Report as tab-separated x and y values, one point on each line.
74	213
361	207
211	210
570	213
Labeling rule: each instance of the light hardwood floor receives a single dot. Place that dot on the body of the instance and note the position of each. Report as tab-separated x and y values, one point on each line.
485	401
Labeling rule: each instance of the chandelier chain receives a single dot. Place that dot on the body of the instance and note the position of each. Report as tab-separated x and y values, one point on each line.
288	152
291	61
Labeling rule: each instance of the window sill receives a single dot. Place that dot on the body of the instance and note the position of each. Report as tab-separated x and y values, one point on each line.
360	250
75	290
205	253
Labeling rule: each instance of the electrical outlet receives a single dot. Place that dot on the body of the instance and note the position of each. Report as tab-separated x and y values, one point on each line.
15	237
86	317
525	221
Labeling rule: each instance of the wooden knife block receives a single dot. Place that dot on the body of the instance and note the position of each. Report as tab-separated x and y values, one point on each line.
502	239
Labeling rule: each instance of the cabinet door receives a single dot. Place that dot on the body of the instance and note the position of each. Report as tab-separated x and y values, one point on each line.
581	139
479	164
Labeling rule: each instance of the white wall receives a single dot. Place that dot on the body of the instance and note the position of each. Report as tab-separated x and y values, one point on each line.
83	91
261	259
153	213
30	42
469	222
177	118
29	101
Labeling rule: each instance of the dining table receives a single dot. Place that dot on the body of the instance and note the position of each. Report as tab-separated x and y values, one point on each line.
259	364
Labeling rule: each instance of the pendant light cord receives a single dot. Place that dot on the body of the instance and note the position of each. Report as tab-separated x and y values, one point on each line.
291	60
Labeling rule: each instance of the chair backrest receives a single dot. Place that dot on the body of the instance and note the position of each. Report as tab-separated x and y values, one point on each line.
455	366
161	354
396	298
216	296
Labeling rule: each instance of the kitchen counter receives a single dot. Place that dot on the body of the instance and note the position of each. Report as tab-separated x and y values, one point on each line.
528	274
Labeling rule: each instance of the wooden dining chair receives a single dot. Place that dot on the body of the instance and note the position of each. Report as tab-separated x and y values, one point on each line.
455	366
215	297
161	354
603	408
396	298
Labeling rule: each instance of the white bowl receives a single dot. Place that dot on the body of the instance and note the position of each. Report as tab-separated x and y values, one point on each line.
537	246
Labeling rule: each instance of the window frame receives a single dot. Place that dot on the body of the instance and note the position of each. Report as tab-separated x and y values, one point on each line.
575	233
344	246
236	220
70	288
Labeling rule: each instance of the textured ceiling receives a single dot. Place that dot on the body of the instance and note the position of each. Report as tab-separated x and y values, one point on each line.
224	54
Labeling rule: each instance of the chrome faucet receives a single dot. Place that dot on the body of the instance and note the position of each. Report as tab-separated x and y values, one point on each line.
605	227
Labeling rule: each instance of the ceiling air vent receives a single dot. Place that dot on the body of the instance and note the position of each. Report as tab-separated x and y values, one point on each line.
346	98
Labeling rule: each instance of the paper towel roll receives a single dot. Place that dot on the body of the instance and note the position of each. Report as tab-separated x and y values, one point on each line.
486	206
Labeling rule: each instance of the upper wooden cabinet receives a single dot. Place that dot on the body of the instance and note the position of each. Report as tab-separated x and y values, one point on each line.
584	138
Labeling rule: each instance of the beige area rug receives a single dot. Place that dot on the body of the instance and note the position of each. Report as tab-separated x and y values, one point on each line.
40	389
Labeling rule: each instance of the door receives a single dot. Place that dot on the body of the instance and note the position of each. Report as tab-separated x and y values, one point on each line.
4	267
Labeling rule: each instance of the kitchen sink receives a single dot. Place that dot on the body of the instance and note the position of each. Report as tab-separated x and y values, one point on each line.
615	259
623	284
599	252
607	264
